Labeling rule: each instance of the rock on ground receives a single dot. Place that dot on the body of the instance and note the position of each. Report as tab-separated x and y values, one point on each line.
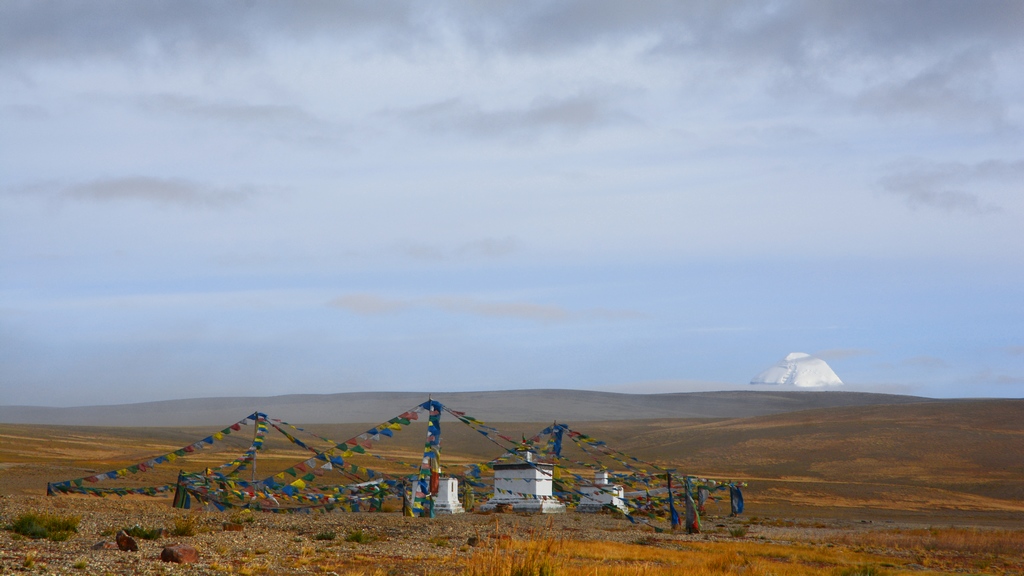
179	554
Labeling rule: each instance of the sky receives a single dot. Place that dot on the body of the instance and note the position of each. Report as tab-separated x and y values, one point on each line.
204	199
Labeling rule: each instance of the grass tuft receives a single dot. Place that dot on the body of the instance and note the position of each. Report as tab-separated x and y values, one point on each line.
359	537
867	570
738	531
327	535
51	526
244	516
646	540
960	540
143	533
186	525
535	558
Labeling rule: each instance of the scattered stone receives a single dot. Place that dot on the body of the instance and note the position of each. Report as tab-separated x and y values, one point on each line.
409	542
473	541
104	545
126	542
179	554
232	527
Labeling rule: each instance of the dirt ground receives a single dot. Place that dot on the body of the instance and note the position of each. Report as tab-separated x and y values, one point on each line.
837	487
286	544
390	543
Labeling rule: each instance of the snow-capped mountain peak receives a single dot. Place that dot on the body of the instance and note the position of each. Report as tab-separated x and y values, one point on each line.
800	370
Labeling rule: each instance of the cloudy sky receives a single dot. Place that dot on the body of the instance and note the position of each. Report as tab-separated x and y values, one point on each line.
213	199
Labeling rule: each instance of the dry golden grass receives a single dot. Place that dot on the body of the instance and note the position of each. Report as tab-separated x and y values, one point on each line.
931	462
948	549
967	540
512	544
939	551
548	557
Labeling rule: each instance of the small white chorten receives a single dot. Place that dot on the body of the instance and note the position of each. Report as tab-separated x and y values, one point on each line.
447	499
526	486
602	493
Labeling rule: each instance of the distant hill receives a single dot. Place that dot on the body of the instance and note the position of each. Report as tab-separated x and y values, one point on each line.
497	406
862	457
948	454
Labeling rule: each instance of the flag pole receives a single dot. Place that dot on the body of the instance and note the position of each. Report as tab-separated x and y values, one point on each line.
256	430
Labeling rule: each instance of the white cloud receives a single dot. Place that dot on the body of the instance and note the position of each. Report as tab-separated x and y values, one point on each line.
530	173
938	185
843	353
926	361
483	248
958	89
570	116
989	376
156	190
370	304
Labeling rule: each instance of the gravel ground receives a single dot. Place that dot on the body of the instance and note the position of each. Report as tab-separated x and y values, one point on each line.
284	544
288	543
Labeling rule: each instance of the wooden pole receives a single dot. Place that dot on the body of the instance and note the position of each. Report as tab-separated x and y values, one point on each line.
255	413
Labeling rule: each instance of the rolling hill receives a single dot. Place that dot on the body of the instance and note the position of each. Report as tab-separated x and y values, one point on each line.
498	406
927	461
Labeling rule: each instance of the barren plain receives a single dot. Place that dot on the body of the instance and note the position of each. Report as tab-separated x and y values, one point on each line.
930	487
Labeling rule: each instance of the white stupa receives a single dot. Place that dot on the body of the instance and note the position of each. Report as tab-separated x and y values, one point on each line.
602	494
525	486
800	370
447	499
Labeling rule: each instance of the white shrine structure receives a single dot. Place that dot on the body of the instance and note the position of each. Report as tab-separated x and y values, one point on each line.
446	501
526	486
602	494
